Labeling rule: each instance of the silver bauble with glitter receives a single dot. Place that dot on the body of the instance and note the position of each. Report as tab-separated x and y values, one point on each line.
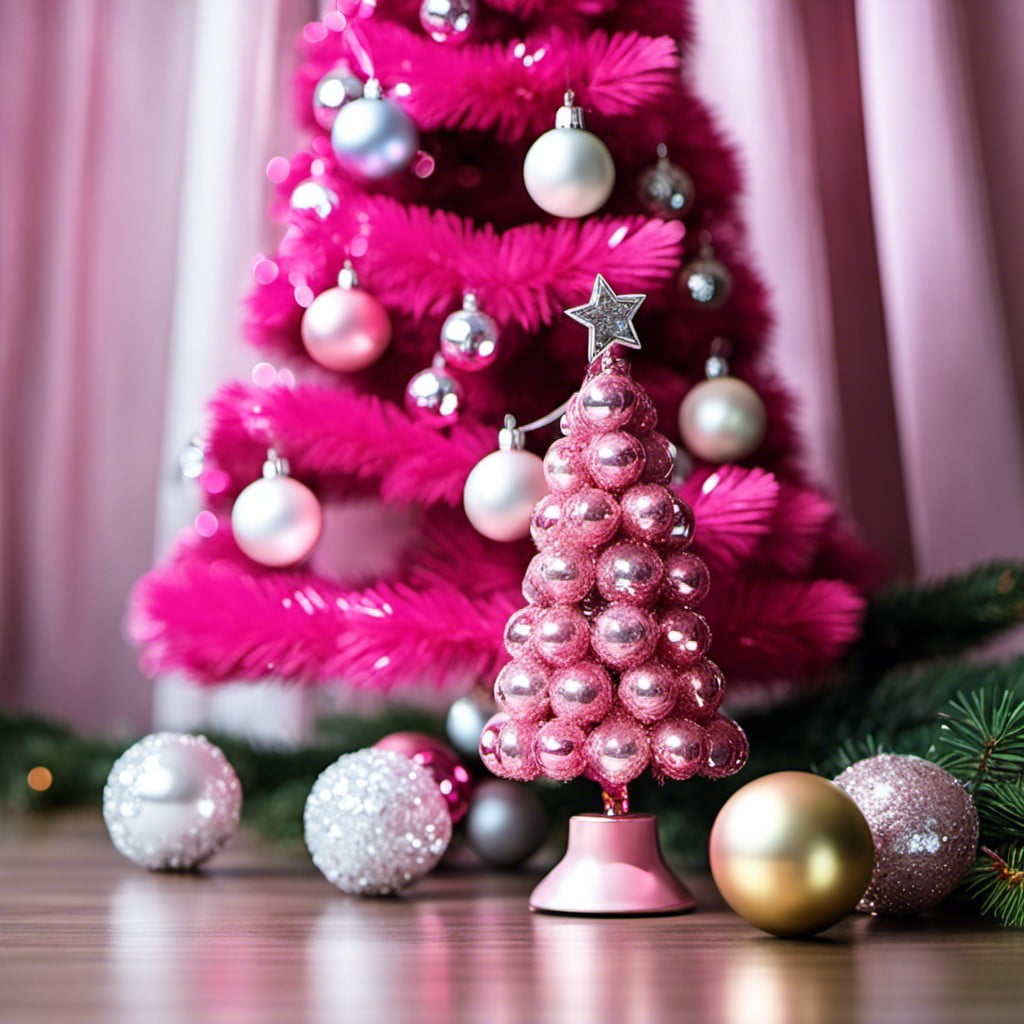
171	801
506	823
722	420
666	191
706	282
373	137
332	92
447	21
375	821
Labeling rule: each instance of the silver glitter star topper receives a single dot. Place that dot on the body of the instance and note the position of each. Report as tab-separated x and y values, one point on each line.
608	318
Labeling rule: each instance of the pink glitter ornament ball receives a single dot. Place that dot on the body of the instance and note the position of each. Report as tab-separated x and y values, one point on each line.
924	826
679	748
648	692
687	580
659	459
515	751
617	751
546	523
591	518
649	513
519	631
630	573
615	460
561	636
560	750
565	469
489	742
684	636
449	771
727	748
559	576
699	688
581	693
522	689
682	523
624	636
608	401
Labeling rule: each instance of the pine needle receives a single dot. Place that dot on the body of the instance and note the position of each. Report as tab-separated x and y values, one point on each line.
996	881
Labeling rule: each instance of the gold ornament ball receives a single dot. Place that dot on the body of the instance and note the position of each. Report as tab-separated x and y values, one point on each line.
791	853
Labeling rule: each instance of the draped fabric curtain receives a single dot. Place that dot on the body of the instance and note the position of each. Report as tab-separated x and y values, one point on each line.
881	140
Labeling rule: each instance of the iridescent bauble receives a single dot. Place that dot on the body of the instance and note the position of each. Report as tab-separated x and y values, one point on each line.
469	339
375	821
608	401
706	282
629	572
277	521
728	748
447	21
722	420
679	748
345	329
501	492
699	689
581	693
649	513
171	801
569	172
561	636
506	823
591	518
315	196
521	689
648	692
615	460
559	576
374	137
519	631
791	853
453	779
687	580
624	636
465	721
684	638
924	826
560	750
666	191
516	751
565	468
434	398
617	751
338	87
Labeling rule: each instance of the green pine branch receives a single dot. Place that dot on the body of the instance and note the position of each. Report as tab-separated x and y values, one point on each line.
982	737
996	884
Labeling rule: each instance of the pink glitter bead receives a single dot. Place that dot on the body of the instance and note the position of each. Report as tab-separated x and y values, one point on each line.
521	689
559	576
685	636
565	470
624	636
581	693
561	635
560	750
648	692
574	424
516	755
687	579
615	460
682	523
700	689
727	748
546	521
533	588
679	748
489	742
629	572
519	631
649	513
591	518
660	459
617	751
645	419
608	401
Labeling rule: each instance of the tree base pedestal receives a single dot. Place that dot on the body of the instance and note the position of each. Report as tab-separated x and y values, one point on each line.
613	865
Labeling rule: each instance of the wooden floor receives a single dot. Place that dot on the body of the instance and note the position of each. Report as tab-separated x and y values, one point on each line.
261	937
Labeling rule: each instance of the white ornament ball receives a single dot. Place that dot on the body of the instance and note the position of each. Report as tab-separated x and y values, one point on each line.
501	492
569	172
171	801
375	821
345	329
722	420
277	521
374	137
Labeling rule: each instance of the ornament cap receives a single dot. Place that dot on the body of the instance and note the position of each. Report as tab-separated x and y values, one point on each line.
347	276
510	437
569	115
275	465
372	89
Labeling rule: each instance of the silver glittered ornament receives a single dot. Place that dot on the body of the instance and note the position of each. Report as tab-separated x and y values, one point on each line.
447	21
332	92
373	136
171	801
706	281
665	189
375	821
469	337
315	196
506	823
465	721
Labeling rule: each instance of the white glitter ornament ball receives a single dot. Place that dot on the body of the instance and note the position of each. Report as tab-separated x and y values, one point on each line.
171	801
375	822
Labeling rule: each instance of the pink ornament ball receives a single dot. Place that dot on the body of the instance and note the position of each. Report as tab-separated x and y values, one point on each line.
560	750
648	692
687	579
591	518
608	401
660	459
519	631
679	748
521	689
624	636
561	635
649	513
516	750
645	419
615	460
727	748
617	751
572	422
448	769
277	521
631	573
581	693
685	636
345	329
560	575
683	523
546	524
565	470
700	688
489	742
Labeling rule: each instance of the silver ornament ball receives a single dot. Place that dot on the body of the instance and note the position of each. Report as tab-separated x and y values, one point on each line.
722	420
501	492
312	195
373	137
569	172
447	21
171	801
469	339
706	282
465	722
506	823
375	821
332	92
276	521
434	398
666	191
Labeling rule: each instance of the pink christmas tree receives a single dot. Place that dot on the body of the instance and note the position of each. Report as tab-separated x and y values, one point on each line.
416	299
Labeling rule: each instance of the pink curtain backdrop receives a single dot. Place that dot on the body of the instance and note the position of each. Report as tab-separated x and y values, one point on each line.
884	159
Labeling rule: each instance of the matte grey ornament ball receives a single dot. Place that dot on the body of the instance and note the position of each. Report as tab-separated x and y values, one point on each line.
375	822
666	191
373	137
447	21
506	823
722	420
466	720
171	801
332	92
569	172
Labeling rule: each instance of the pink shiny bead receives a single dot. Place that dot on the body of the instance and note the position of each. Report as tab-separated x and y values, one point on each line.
560	575
559	750
565	469
687	579
679	748
546	522
685	636
617	751
591	518
561	635
519	631
615	460
645	419
489	742
345	329
624	636
660	459
682	523
572	422
448	769
608	401
648	513
700	688
516	754
533	588
629	572
648	692
521	689
728	748
581	693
